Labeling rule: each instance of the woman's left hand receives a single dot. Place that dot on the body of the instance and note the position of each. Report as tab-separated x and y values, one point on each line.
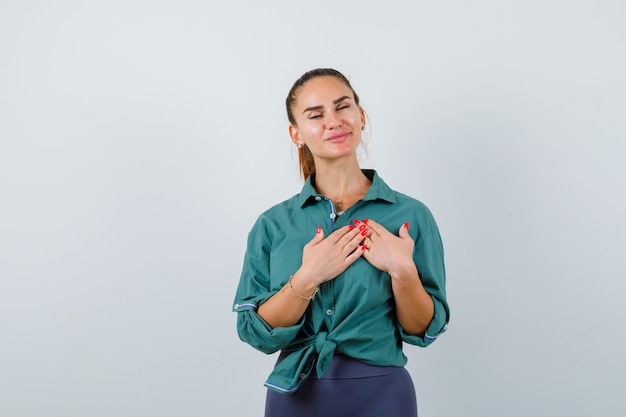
394	255
386	251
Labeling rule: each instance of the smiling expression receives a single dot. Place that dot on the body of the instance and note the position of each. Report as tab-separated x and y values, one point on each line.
328	120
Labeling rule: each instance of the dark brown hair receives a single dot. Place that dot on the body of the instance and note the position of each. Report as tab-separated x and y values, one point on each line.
305	157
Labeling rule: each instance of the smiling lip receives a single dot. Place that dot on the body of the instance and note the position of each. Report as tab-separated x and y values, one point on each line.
338	137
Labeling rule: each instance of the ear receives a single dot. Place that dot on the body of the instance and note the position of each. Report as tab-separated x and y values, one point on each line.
295	135
362	115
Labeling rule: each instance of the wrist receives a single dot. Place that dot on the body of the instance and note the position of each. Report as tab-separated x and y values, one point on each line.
305	280
302	283
403	272
303	292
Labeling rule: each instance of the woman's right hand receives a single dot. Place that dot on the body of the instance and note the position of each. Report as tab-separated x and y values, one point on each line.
323	259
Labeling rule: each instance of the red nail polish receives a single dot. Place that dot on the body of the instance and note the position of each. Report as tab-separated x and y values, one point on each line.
350	227
365	221
363	247
364	233
406	225
319	230
357	222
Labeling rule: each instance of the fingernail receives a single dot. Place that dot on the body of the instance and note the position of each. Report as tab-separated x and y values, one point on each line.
363	247
357	222
350	227
319	230
406	225
365	221
362	227
364	233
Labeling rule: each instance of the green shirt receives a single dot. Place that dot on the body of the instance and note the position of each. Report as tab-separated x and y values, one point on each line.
355	312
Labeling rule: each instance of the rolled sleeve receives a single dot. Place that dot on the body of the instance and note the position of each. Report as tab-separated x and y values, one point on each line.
429	260
253	330
254	289
437	326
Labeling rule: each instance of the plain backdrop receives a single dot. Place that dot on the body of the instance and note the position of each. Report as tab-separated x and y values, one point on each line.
139	141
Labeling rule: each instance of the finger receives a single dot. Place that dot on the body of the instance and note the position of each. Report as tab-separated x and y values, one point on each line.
365	252
319	236
404	230
347	233
342	233
352	241
356	254
362	226
374	227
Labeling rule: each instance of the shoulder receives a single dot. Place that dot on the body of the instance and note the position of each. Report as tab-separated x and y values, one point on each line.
271	219
412	203
409	208
412	209
408	200
383	191
403	201
280	210
419	213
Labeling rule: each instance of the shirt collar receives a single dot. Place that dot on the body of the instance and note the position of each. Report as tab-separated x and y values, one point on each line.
379	190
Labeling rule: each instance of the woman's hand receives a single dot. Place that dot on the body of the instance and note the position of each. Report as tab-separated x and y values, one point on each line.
394	255
388	252
324	259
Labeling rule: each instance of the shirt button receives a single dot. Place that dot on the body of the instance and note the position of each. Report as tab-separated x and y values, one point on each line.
318	198
302	375
236	306
329	312
333	215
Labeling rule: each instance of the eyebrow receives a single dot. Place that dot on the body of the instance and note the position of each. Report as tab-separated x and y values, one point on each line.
320	107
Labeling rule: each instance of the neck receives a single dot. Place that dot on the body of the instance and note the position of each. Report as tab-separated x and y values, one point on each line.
344	184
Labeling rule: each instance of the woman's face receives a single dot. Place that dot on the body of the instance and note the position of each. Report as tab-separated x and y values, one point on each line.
327	118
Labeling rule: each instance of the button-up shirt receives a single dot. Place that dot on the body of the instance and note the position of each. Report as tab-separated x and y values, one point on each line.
353	313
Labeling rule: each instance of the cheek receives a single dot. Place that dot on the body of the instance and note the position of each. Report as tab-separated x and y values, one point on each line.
311	132
354	118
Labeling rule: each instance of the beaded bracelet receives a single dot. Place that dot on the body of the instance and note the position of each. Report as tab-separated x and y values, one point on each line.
311	297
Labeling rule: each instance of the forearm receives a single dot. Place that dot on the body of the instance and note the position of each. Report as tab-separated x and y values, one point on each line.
414	306
287	306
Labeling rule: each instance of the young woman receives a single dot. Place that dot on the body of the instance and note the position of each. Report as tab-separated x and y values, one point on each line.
340	275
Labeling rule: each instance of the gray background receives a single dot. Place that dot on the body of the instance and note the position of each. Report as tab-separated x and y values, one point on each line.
139	140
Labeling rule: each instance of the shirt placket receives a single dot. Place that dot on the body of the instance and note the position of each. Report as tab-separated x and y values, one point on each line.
326	291
332	213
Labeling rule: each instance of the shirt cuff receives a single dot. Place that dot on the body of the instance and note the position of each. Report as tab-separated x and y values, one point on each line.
254	330
437	326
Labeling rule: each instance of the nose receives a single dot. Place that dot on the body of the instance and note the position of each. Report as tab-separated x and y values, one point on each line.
333	121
